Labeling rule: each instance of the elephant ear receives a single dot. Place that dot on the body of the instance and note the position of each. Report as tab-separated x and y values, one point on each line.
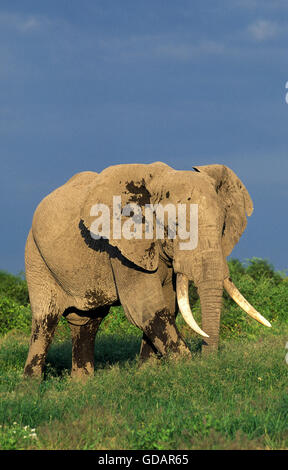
117	199
235	200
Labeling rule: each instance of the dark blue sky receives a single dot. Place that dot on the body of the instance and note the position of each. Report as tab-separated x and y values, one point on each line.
89	84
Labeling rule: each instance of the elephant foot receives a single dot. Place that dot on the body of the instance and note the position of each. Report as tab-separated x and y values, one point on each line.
82	369
81	375
147	351
33	373
208	349
163	334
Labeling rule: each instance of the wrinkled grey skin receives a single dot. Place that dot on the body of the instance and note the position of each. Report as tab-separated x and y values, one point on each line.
69	273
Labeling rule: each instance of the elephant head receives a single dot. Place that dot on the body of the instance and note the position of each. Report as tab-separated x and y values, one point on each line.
223	203
234	204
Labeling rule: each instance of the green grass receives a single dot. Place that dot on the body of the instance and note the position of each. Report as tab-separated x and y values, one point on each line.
236	399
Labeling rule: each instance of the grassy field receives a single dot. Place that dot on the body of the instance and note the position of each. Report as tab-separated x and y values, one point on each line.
236	399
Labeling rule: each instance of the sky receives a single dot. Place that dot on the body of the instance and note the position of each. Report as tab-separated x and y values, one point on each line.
86	85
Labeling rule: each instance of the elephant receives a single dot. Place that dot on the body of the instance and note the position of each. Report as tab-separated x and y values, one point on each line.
75	271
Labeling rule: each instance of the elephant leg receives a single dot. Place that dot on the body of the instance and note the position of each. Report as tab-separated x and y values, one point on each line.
162	331
141	295
148	349
46	300
83	343
41	337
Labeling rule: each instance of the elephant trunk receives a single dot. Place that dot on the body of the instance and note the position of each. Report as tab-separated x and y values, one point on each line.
207	272
210	293
210	274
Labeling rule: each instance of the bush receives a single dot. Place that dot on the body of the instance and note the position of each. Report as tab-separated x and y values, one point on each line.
256	268
263	287
117	323
14	287
14	316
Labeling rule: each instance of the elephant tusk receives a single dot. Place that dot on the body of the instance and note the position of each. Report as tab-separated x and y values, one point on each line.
183	303
243	303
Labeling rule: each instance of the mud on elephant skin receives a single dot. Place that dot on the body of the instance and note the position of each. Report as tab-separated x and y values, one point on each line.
73	271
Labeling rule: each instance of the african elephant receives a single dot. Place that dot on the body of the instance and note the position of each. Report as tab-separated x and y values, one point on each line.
75	272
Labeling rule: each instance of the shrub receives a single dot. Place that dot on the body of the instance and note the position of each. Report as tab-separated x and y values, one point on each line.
14	287
258	269
117	323
14	316
263	287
